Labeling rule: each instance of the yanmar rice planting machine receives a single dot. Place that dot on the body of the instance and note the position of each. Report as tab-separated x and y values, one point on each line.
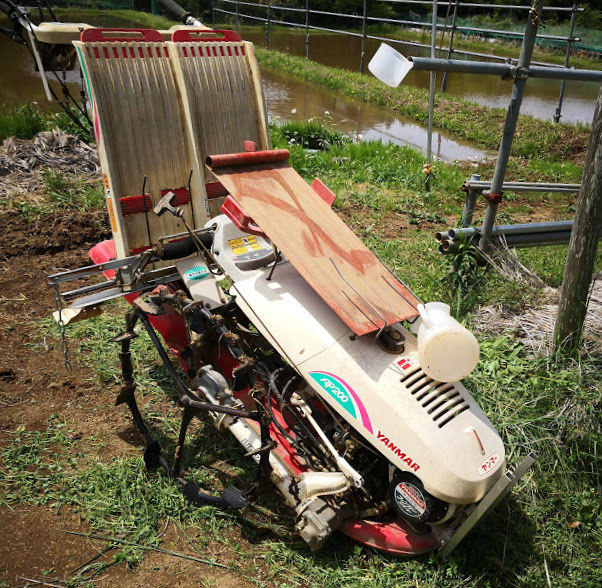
291	335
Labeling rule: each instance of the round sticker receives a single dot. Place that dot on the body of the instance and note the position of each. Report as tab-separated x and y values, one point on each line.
196	272
410	499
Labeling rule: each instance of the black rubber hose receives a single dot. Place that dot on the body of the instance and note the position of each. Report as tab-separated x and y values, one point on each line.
174	9
186	247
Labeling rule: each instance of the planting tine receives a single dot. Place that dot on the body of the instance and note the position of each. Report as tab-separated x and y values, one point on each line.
153	459
231	496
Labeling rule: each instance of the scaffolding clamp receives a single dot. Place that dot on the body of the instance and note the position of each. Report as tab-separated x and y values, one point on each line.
493	197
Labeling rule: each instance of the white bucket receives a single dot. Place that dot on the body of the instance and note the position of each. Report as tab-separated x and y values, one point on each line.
447	351
389	66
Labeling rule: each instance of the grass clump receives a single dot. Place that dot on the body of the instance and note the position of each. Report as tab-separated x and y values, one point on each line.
23	121
309	134
27	120
66	192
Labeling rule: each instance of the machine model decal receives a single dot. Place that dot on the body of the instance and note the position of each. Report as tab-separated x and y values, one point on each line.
398	452
488	464
409	499
196	272
344	394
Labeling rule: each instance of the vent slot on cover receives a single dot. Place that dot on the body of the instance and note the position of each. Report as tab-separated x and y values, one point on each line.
442	401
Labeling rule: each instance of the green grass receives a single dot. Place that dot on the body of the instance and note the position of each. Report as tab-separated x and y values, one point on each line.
27	120
551	523
22	121
464	119
68	192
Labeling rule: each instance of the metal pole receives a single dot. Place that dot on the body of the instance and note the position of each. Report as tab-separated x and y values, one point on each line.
306	29
494	196
429	141
566	64
364	19
450	49
470	202
520	229
267	25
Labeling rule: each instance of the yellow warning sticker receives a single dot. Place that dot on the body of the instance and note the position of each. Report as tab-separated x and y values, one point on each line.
105	179
243	245
112	214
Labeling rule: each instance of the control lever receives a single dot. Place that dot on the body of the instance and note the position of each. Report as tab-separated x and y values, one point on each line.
164	205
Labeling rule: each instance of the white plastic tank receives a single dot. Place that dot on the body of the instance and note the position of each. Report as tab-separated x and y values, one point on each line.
389	66
447	351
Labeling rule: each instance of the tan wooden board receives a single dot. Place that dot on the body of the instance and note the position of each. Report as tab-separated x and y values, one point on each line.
323	249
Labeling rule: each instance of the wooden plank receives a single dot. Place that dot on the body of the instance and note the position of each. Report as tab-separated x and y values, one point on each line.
323	249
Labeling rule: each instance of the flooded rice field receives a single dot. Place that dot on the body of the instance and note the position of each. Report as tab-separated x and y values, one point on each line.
290	99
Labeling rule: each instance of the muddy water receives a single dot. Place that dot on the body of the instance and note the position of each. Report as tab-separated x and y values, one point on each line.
288	99
540	100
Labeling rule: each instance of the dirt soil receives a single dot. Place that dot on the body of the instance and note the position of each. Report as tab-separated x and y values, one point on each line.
34	384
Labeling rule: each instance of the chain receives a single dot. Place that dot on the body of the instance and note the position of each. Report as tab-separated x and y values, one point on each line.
62	327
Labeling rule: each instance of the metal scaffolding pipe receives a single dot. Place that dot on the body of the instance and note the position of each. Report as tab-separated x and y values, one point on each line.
429	137
539	239
505	69
522	186
516	99
557	113
523	228
495	6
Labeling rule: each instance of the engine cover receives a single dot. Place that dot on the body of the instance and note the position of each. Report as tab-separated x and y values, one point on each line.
431	429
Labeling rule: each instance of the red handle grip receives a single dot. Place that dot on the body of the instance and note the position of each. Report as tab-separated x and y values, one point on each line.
233	210
121	35
204	35
247	158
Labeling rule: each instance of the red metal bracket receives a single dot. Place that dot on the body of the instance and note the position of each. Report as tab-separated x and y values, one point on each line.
118	34
323	192
204	35
233	210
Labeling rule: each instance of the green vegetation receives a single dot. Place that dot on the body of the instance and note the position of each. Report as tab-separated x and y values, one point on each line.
27	120
465	119
67	192
23	122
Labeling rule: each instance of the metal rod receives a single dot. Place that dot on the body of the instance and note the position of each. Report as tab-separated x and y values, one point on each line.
504	69
523	186
567	55
364	22
474	5
451	43
470	202
429	137
516	99
88	289
306	29
267	25
523	228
